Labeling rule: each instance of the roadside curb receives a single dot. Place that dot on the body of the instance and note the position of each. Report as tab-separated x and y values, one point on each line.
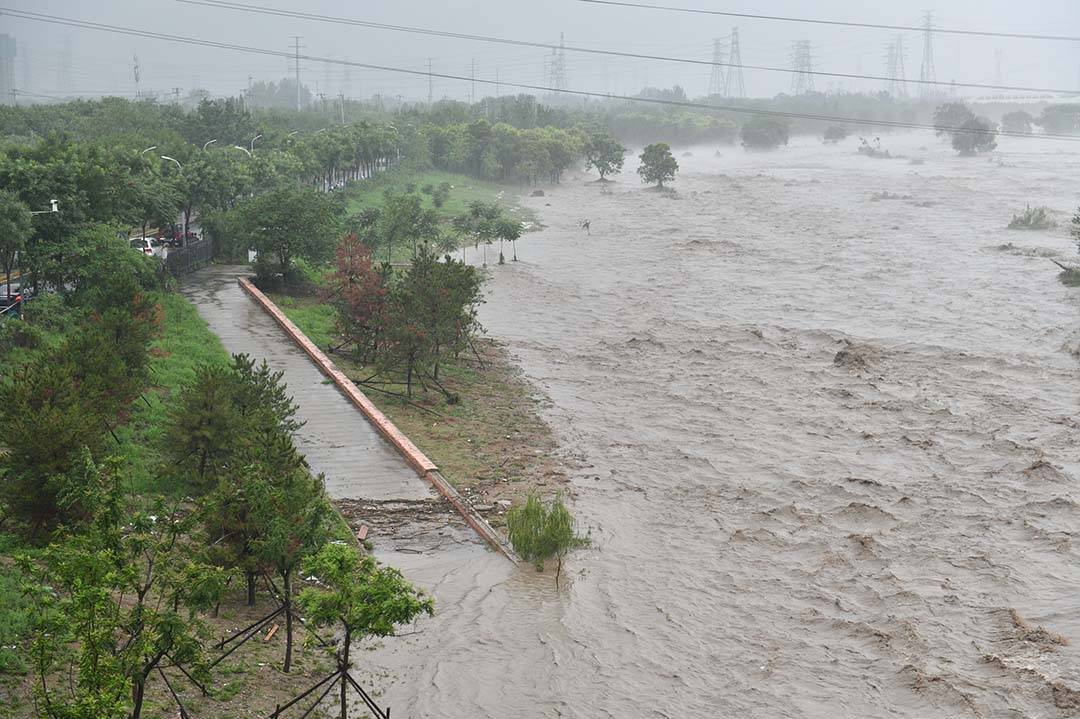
416	459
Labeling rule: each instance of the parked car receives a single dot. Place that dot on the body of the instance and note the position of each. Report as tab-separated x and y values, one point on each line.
148	246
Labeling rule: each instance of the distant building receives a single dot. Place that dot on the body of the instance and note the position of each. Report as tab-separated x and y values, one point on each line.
7	68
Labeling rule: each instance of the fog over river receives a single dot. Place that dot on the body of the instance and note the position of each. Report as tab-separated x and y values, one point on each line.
826	445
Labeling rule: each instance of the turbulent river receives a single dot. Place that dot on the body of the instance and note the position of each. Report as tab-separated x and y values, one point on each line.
825	440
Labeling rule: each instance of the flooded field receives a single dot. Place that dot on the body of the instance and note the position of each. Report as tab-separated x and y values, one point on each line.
825	439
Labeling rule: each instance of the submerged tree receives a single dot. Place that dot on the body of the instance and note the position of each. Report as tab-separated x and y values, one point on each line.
974	136
540	532
605	154
657	164
764	133
950	116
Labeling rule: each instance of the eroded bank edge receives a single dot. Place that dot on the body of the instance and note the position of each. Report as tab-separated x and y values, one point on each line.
416	459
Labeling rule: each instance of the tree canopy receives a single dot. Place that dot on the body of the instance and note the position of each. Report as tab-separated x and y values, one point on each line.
658	165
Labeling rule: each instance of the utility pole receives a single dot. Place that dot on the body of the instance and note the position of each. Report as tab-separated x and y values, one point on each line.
497	88
997	67
296	46
472	91
430	83
176	95
900	71
716	79
734	86
802	64
927	74
137	75
341	99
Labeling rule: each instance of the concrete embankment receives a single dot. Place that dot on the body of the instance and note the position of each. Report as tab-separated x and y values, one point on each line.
416	459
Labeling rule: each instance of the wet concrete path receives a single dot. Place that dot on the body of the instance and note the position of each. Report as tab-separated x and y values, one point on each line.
337	440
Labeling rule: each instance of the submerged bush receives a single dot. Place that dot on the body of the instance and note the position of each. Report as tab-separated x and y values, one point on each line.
1032	218
541	531
835	133
764	133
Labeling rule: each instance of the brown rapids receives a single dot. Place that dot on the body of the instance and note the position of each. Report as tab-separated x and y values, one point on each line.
826	445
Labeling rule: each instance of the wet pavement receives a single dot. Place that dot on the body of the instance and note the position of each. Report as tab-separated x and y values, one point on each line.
337	440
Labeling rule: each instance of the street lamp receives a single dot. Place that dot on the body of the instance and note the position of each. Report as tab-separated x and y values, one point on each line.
241	147
53	208
292	133
318	131
173	159
253	141
208	142
152	147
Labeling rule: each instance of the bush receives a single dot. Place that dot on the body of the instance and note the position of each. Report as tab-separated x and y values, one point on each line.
1017	121
18	334
764	133
835	133
541	531
1032	218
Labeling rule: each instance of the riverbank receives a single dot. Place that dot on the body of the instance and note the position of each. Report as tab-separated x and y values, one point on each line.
492	444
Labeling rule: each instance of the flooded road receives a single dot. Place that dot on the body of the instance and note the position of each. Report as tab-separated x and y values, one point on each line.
826	445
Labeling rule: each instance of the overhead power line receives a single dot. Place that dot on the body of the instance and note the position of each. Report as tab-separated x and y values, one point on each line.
150	34
843	23
560	48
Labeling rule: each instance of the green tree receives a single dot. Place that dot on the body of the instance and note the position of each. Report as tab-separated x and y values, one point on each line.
764	133
291	509
950	116
15	231
1017	121
289	223
508	229
204	427
974	136
362	597
404	220
657	164
113	601
605	154
540	532
1060	119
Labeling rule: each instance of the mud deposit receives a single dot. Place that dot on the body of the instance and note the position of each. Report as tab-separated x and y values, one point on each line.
827	447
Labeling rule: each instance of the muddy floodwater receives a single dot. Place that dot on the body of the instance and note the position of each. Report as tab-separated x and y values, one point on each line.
825	438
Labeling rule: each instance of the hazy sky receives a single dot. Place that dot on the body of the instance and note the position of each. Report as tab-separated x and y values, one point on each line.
101	62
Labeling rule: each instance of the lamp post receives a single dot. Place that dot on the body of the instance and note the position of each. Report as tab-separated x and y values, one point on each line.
208	143
253	141
152	147
173	159
244	149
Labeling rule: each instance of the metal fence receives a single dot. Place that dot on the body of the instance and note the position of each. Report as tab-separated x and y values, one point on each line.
182	260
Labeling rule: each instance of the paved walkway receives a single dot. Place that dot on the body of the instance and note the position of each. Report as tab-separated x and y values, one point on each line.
337	440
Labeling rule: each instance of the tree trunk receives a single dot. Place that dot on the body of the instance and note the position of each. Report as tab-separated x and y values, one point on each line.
137	692
250	588
343	666
514	243
286	589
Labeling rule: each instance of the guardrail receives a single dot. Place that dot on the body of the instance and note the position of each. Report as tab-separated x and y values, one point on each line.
193	256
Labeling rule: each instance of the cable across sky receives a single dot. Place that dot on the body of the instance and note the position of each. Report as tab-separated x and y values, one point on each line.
150	34
259	10
842	23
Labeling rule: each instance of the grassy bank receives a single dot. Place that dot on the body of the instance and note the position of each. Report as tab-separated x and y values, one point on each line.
249	682
492	444
368	194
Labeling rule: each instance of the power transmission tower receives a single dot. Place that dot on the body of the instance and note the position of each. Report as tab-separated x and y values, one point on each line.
717	87
176	95
296	47
430	84
927	74
895	81
137	76
734	86
557	79
472	88
802	64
